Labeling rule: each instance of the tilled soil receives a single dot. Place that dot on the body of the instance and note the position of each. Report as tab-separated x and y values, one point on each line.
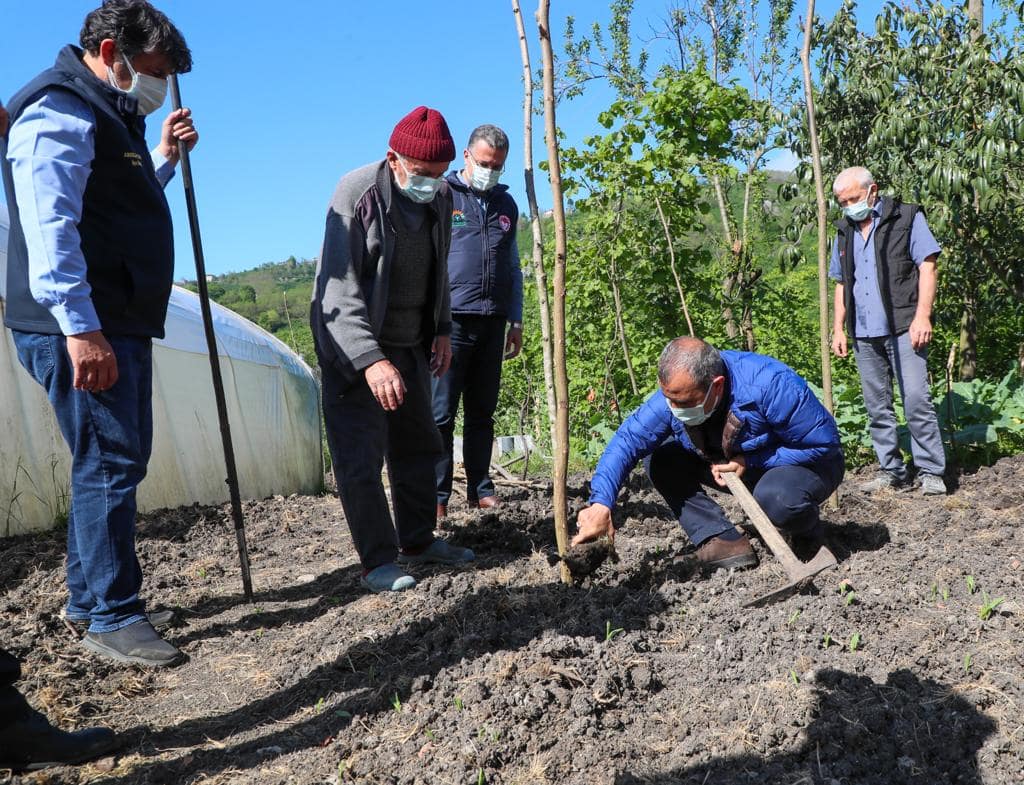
650	672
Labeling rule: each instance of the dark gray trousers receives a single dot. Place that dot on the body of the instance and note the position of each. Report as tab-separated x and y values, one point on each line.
362	436
879	361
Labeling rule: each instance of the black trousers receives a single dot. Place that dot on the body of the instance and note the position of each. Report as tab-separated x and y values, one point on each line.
362	436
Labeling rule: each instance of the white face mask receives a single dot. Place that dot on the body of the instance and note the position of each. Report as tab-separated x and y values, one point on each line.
149	91
483	179
692	416
418	187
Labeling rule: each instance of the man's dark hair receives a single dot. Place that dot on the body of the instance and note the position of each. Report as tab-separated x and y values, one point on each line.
699	360
137	28
490	135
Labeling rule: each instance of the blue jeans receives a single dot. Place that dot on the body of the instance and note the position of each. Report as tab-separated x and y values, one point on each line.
789	495
478	345
110	435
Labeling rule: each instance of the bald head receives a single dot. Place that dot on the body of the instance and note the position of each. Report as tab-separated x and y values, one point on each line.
854	177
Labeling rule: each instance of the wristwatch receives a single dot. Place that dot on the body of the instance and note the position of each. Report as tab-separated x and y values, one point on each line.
515	325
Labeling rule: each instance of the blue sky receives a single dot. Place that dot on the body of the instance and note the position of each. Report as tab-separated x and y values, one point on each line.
290	96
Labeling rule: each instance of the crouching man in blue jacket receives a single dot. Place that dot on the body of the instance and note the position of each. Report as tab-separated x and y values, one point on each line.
717	412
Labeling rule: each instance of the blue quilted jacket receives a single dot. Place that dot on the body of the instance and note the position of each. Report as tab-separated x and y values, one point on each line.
774	420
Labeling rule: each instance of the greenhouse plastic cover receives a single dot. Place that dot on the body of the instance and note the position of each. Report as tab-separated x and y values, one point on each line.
273	410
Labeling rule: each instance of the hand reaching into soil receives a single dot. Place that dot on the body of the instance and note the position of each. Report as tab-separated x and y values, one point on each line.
593	522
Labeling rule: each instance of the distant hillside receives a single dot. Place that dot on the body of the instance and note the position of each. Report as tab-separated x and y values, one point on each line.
275	295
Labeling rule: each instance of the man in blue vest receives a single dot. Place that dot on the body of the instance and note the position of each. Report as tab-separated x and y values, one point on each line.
724	411
89	271
487	313
883	263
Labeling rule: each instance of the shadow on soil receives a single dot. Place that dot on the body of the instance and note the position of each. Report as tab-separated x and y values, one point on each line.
371	673
908	731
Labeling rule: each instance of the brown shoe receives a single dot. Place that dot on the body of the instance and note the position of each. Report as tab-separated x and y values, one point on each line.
727	554
442	511
487	502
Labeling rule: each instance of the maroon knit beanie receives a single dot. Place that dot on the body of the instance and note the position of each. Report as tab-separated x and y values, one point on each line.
423	134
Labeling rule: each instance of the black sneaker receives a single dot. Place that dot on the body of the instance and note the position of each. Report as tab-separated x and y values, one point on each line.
31	743
137	643
160	620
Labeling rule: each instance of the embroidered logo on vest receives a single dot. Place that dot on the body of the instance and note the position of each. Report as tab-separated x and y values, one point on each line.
505	222
458	218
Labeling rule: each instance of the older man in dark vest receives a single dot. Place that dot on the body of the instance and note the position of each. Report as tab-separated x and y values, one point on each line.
883	262
90	265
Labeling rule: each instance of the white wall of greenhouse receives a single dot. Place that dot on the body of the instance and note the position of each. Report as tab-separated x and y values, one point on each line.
273	407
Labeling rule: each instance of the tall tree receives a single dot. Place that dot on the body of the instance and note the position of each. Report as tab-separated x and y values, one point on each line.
560	449
539	273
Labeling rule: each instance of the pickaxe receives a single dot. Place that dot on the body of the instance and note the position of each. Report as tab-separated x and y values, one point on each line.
800	573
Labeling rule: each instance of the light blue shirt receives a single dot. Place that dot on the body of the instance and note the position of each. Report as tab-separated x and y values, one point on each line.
51	146
515	306
870	320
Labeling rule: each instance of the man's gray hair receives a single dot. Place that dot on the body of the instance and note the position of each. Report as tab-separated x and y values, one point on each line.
490	135
857	174
699	360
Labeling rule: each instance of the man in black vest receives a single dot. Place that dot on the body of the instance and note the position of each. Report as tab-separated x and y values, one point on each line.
90	266
883	262
487	313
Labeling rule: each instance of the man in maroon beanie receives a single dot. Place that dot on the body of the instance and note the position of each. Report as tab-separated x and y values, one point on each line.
381	323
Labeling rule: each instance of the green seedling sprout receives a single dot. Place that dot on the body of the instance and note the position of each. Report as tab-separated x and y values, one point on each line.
319	706
458	703
854	642
793	617
935	592
989	606
969	580
968	661
430	734
945	594
396	702
794	677
480	777
850	598
610	633
826	641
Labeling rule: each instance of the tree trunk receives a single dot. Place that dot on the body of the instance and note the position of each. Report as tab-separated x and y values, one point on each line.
819	192
968	340
732	329
620	326
540	275
976	11
672	262
560	449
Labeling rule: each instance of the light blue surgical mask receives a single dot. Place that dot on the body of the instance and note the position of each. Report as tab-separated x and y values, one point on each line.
692	416
483	178
418	187
859	211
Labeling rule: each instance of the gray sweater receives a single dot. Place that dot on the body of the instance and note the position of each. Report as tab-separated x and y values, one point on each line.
350	294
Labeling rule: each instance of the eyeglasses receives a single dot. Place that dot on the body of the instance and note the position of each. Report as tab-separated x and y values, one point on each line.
484	166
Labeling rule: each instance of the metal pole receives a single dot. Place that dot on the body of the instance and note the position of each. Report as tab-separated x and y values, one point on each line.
211	344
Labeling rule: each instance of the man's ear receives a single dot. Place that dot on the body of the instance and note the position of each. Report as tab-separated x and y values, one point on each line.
108	52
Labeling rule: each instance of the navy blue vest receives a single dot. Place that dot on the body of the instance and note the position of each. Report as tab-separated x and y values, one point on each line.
480	261
125	230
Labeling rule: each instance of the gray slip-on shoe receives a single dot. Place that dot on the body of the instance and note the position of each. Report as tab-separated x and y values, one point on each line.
387	577
160	620
438	552
137	643
932	485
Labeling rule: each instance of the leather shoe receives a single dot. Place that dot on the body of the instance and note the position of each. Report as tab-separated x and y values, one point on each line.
30	743
487	502
718	553
442	511
137	643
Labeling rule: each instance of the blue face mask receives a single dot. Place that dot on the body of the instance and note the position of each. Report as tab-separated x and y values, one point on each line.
692	416
418	187
859	211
